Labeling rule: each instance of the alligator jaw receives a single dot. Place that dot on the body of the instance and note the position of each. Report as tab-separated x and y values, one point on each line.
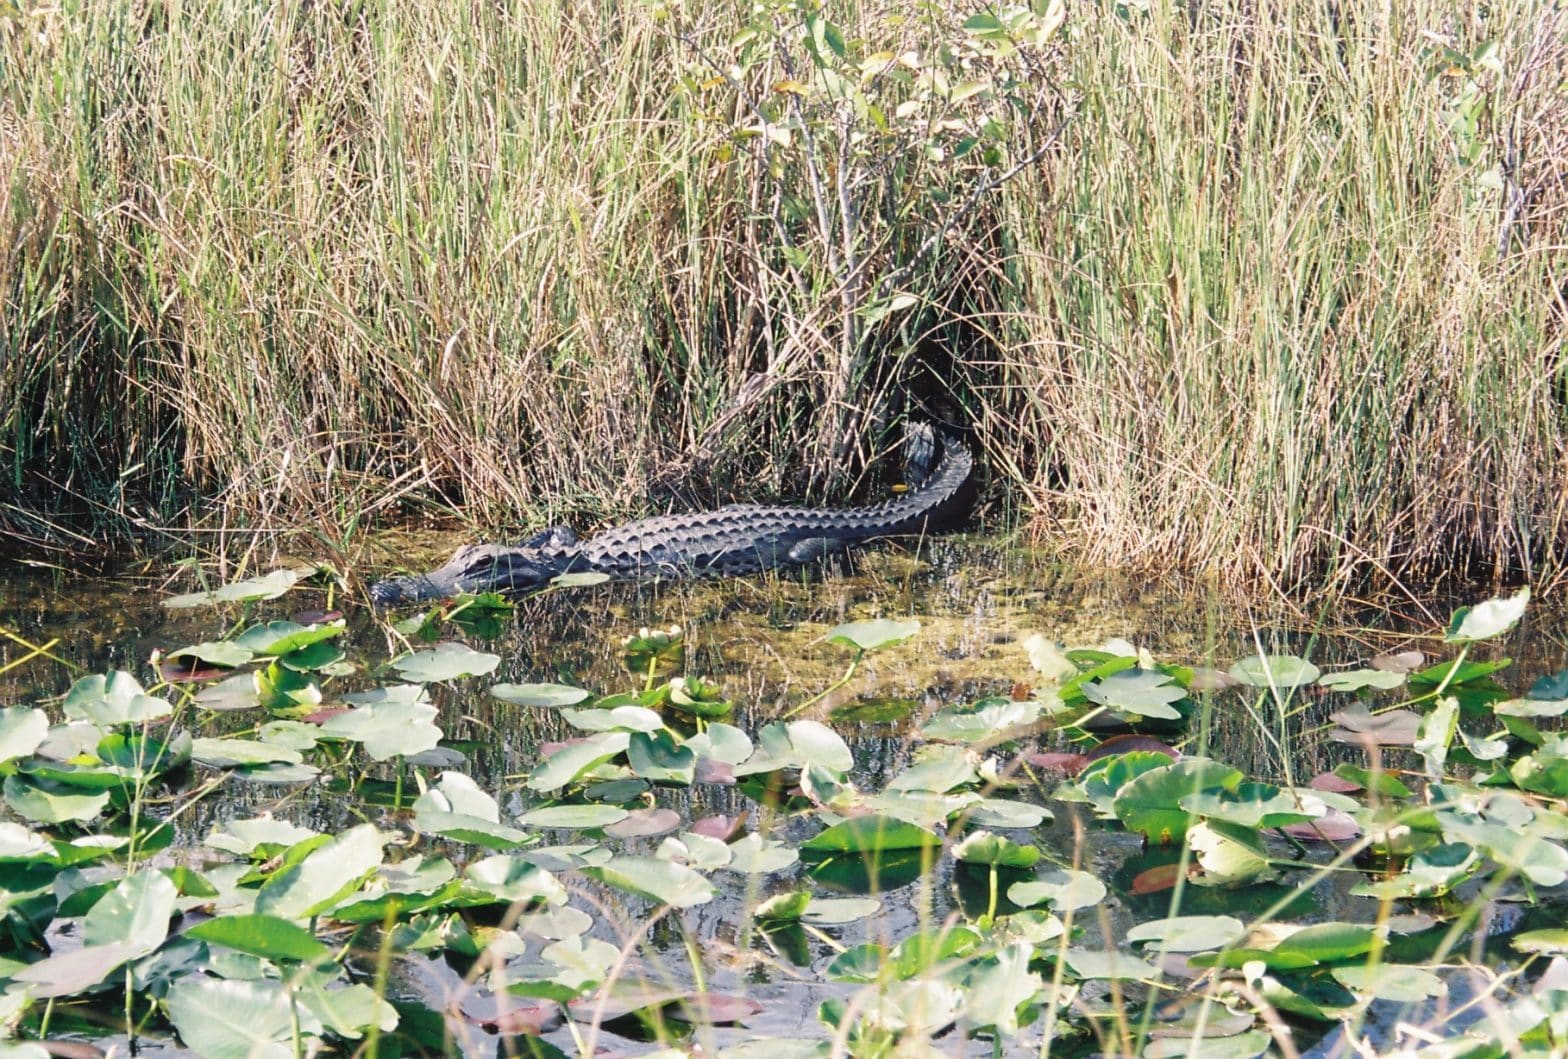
472	568
398	590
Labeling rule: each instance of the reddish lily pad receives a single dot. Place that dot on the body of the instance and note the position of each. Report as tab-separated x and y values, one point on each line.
1360	726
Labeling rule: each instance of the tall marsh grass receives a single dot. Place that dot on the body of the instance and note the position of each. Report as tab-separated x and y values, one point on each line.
1249	288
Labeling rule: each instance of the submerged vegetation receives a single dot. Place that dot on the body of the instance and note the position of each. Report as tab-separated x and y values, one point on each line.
1066	865
1255	289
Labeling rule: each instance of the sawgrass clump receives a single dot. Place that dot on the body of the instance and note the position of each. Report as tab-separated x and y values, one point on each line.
1247	289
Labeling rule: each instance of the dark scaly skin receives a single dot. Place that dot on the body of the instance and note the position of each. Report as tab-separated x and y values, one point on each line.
736	540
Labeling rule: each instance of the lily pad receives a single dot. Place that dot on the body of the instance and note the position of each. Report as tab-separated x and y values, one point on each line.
871	834
447	661
982	847
22	731
1188	933
113	700
872	635
392	729
1143	692
270	586
575	817
275	639
662	881
1065	888
547	696
1358	679
269	937
1277	671
1486	620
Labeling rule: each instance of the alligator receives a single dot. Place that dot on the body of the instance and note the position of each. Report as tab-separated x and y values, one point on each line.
736	540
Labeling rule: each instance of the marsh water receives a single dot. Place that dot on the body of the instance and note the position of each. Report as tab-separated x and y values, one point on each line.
977	600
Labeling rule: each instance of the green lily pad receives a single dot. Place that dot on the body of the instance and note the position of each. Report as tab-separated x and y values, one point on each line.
1532	708
834	911
721	742
224	653
797	744
574	817
447	661
1278	671
392	729
872	635
1144	692
659	758
52	803
1229	855
1151	804
270	586
323	876
514	880
232	1019
784	908
1358	679
1486	620
546	696
937	769
243	837
871	834
754	855
981	723
571	761
111	701
135	913
1255	805
269	937
22	731
274	639
1065	888
456	808
232	753
982	847
698	698
1552	941
1328	942
1000	812
1099	963
1391	982
1188	933
619	718
1248	1045
1000	986
662	881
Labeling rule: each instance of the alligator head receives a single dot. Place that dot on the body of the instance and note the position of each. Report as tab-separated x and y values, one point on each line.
473	568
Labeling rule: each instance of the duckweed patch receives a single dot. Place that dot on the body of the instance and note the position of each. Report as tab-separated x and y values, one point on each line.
1052	869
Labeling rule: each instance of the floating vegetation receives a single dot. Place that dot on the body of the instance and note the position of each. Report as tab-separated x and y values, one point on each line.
602	893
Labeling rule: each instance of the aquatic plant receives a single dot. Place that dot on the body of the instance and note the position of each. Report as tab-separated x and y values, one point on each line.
939	904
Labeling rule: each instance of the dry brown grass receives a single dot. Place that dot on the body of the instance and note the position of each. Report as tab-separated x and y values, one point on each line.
326	266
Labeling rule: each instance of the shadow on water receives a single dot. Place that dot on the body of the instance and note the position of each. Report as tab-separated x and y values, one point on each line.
760	640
